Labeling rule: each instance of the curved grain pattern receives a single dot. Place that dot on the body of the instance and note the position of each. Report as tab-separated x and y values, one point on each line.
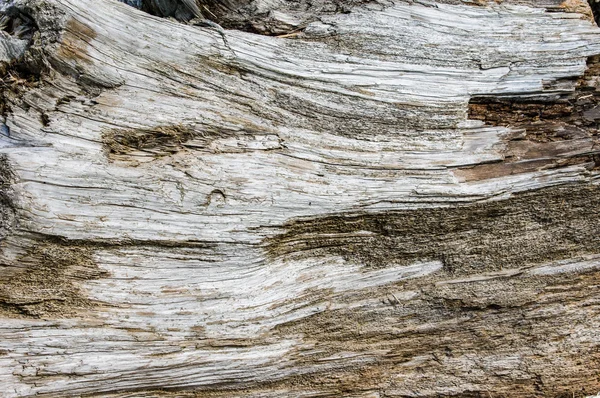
390	199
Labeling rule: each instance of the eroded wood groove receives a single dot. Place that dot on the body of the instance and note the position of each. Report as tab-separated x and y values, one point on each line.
530	228
390	199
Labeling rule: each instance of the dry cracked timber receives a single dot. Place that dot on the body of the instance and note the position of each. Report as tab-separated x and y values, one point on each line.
364	199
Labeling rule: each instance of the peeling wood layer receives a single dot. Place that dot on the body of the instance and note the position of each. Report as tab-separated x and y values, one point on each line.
389	199
288	19
561	116
256	16
548	131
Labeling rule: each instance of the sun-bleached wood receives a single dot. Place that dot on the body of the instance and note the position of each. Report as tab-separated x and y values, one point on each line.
323	213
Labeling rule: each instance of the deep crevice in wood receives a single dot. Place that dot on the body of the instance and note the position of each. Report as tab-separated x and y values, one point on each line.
245	15
595	6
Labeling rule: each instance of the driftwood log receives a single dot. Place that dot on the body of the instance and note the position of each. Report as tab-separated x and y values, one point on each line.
328	198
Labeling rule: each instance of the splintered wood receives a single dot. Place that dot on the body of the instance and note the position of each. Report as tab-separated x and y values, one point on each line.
390	199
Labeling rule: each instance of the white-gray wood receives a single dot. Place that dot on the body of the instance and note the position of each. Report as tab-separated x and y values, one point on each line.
155	173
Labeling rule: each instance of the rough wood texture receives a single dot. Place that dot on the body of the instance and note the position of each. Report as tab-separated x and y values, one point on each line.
392	199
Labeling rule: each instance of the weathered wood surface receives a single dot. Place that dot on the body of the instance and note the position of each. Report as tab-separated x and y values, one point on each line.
393	199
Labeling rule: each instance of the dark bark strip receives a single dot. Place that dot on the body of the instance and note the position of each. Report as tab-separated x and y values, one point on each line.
530	228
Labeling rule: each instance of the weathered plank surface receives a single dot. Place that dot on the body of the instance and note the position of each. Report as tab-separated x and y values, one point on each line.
393	199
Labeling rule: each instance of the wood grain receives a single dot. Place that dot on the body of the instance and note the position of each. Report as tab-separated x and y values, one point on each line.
392	199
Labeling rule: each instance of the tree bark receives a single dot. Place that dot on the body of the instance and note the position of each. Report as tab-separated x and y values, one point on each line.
363	198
